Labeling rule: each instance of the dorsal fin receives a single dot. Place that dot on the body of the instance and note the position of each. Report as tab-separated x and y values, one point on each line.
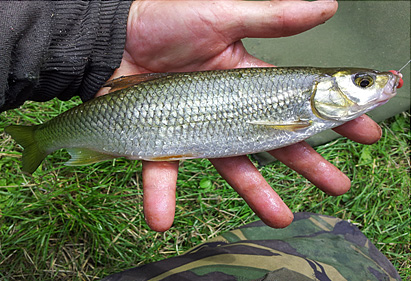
132	80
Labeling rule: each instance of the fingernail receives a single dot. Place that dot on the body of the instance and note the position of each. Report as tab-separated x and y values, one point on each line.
379	130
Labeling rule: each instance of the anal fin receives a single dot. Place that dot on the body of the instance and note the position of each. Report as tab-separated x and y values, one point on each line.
172	157
84	156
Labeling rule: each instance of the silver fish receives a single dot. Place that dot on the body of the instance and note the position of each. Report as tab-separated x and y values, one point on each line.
219	113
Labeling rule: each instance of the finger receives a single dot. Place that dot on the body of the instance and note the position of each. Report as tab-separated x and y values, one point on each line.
244	177
306	161
159	199
362	130
265	19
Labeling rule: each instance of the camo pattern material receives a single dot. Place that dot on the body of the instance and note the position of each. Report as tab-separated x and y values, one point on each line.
313	247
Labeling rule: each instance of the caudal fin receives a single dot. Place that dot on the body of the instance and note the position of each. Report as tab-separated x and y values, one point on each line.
33	155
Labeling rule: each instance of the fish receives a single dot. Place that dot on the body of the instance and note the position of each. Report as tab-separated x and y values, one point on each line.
206	114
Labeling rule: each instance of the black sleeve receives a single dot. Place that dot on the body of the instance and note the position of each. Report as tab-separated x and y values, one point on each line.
58	48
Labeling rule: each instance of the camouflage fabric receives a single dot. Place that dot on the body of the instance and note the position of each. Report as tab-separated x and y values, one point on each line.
313	247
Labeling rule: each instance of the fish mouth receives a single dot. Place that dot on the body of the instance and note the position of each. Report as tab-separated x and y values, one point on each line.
390	89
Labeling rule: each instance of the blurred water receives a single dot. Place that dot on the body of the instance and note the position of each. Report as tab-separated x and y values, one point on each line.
369	34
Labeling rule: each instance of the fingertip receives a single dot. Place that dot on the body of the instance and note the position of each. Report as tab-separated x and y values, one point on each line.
158	222
269	206
330	6
328	178
341	185
159	212
280	219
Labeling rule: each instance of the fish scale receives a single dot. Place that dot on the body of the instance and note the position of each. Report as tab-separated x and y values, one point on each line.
211	114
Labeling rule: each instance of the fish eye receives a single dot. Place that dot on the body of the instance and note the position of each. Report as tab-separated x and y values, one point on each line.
363	80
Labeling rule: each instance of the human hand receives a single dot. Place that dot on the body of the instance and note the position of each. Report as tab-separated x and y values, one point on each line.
165	36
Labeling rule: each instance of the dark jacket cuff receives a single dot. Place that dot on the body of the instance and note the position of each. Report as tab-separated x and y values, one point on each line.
74	48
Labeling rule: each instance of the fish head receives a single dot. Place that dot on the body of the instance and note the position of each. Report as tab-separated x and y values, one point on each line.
345	94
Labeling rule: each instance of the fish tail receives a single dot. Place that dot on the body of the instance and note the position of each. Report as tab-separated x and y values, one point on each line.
33	154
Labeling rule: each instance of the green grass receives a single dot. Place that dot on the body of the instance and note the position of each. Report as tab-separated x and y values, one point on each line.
82	223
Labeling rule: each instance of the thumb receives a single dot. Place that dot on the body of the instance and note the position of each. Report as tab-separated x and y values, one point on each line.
271	19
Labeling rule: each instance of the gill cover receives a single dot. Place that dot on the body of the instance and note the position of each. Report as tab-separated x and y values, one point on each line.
343	95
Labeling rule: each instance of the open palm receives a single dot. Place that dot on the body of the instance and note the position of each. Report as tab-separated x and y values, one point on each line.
165	36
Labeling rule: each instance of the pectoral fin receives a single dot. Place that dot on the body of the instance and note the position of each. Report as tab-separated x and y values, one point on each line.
288	126
132	80
84	156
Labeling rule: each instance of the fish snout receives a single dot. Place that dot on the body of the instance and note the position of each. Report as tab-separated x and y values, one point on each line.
390	89
400	82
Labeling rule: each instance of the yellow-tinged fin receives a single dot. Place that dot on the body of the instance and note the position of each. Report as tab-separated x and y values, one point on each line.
173	157
288	126
124	82
85	156
33	154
